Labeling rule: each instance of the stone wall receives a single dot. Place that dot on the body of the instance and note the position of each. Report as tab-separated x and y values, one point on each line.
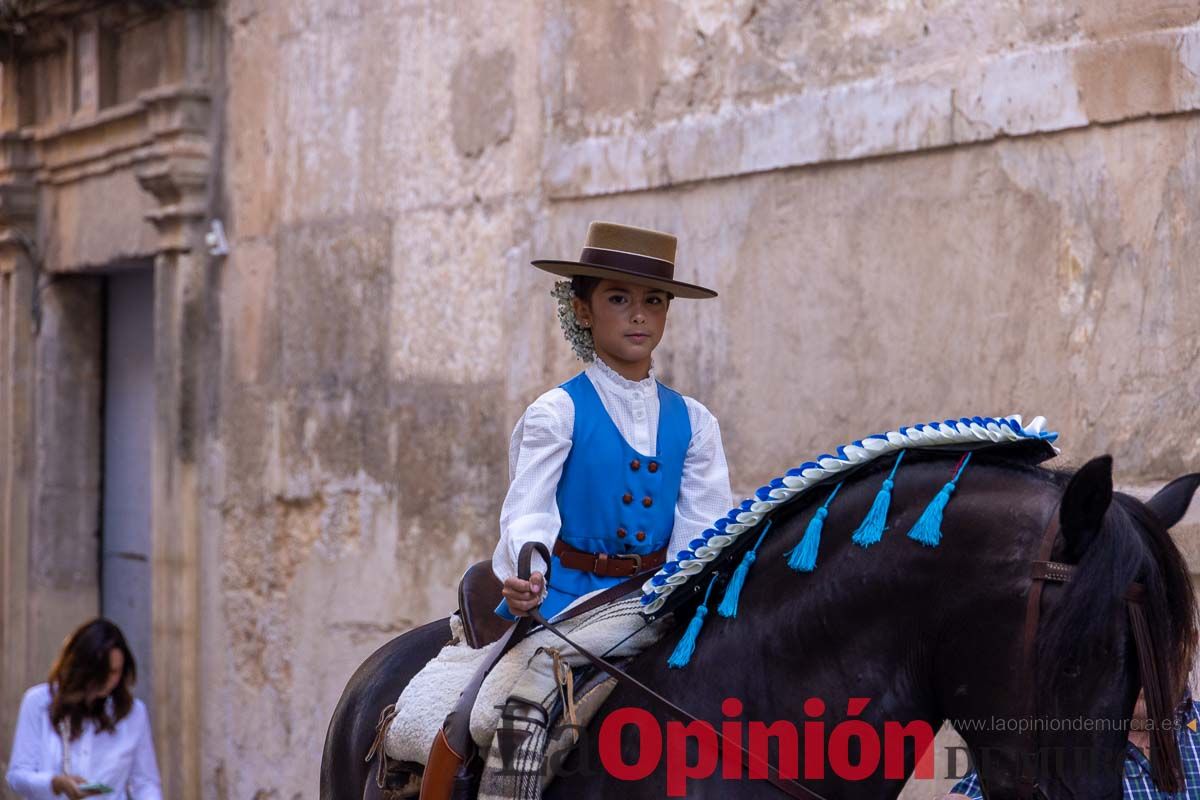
909	213
911	210
377	340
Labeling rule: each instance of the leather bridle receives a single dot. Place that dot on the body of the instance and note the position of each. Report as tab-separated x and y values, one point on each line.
1044	570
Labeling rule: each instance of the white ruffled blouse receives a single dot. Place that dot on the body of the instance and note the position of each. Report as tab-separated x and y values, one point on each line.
122	758
541	441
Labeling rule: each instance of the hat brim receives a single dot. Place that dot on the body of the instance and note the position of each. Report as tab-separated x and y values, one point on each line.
569	269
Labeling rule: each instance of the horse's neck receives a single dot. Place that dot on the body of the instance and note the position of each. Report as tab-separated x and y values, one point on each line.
919	632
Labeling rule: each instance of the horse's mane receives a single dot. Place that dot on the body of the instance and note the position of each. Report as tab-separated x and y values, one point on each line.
1131	545
714	547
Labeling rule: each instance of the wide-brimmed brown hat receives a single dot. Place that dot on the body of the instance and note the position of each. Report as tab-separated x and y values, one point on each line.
626	253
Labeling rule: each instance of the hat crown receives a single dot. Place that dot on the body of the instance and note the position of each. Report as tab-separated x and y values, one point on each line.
627	253
631	239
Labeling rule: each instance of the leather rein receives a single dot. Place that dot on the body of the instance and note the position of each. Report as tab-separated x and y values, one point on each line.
790	787
1042	570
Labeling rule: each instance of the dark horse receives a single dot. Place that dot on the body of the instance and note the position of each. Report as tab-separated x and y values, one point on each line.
925	634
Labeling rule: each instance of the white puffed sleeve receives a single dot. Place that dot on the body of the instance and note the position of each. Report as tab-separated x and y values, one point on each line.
27	775
540	443
704	493
144	781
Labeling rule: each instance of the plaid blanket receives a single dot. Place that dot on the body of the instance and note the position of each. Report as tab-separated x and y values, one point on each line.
517	765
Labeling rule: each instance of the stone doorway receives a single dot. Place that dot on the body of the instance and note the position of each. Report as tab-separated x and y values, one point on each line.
106	112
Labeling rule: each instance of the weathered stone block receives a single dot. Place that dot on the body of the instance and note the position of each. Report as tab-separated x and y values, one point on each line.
1110	19
249	434
334	284
1123	79
253	151
250	303
932	103
482	107
69	364
450	306
89	223
376	120
450	451
64	554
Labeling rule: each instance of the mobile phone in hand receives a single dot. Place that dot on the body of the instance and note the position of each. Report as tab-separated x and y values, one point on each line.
97	787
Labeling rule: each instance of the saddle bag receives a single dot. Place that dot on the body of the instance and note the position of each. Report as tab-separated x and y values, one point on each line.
450	775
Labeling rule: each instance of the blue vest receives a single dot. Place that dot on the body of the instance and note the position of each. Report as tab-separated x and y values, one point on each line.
611	498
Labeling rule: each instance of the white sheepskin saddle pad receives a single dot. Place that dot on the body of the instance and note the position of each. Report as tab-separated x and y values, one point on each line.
617	629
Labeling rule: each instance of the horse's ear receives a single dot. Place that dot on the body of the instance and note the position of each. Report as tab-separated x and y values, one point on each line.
1172	501
1084	505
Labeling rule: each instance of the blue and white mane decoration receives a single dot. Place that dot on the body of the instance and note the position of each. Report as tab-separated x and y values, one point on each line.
967	434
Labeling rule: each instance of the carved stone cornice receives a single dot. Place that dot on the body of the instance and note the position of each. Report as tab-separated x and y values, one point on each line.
18	199
162	137
112	140
177	162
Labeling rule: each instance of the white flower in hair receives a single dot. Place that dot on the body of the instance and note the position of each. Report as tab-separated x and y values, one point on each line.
579	337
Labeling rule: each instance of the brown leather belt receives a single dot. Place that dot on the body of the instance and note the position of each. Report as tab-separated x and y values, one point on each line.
605	565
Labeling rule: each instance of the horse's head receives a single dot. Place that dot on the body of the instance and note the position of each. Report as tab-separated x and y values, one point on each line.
1124	621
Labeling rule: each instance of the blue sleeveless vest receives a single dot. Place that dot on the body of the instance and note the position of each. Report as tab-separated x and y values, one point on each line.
611	498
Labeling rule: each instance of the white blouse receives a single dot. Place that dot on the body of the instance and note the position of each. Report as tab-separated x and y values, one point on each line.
122	758
542	439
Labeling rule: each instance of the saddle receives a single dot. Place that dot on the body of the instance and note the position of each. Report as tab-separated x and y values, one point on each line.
479	592
455	765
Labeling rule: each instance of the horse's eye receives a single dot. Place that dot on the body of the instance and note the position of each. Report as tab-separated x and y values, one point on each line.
1071	670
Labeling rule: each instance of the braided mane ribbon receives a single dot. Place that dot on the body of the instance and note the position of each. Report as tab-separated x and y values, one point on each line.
1165	763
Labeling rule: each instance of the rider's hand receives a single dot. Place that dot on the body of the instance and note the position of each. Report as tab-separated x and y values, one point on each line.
69	785
524	595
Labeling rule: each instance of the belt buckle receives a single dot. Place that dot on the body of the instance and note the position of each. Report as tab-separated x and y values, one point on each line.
637	561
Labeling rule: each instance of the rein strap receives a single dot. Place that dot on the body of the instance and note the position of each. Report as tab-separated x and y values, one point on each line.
1166	766
790	787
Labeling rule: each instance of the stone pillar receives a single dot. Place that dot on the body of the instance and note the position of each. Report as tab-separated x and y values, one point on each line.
177	175
64	550
17	278
50	445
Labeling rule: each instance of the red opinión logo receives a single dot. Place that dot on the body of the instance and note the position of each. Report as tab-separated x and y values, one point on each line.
853	750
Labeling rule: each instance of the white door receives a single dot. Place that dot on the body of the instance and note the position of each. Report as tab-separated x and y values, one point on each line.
128	430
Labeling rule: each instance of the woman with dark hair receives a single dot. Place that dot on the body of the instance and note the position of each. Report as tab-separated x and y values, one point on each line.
83	733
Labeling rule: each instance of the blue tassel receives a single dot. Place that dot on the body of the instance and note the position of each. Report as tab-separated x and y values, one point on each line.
687	644
729	602
871	529
803	557
928	529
